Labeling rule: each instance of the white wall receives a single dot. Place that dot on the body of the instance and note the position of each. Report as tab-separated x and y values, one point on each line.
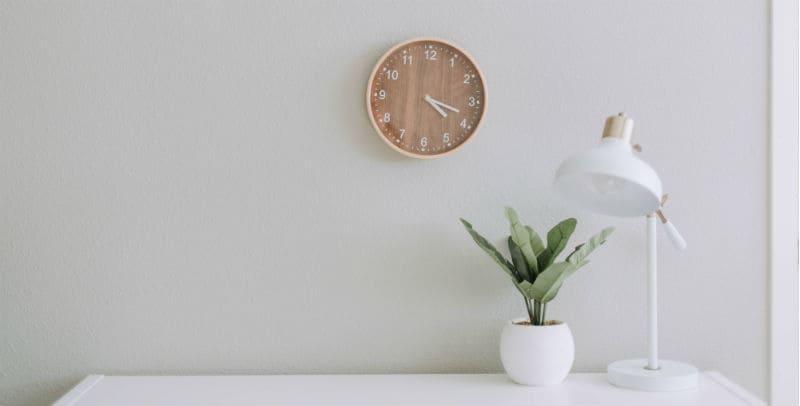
195	187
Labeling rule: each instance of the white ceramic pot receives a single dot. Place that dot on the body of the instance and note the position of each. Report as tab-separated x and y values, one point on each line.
537	355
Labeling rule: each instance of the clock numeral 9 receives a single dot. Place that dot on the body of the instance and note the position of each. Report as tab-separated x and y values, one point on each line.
423	142
387	117
382	94
430	54
392	74
446	138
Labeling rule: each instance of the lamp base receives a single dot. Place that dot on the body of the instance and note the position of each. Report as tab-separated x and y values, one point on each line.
672	376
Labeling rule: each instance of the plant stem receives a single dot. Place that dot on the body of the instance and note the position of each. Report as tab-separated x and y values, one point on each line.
544	310
531	316
539	310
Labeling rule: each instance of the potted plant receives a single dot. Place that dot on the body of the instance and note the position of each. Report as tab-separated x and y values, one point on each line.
534	350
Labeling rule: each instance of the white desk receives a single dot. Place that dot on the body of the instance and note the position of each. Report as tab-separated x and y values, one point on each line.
495	389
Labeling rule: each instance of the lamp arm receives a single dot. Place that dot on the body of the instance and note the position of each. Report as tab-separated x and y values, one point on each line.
674	236
672	233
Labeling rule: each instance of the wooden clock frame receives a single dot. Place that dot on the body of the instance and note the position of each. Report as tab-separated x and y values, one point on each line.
382	61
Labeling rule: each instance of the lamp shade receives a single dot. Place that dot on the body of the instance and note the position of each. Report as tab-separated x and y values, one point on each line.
610	179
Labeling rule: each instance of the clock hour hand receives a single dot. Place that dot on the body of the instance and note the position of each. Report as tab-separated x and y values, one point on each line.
435	106
451	108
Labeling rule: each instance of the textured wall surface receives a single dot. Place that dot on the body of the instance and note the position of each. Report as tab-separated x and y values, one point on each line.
194	187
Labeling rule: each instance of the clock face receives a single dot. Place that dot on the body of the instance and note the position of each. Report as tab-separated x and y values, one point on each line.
426	97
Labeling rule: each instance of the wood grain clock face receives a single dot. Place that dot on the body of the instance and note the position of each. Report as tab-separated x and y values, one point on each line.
426	97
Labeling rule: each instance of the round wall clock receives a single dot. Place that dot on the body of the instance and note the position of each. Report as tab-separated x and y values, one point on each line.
426	97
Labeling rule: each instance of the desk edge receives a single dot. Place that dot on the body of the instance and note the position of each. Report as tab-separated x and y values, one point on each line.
75	394
734	389
85	385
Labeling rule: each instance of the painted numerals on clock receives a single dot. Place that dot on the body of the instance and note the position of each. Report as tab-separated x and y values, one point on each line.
426	98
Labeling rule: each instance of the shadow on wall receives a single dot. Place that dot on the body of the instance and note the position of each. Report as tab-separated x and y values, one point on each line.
352	90
43	392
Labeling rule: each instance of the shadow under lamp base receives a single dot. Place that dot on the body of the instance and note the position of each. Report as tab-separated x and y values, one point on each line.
671	375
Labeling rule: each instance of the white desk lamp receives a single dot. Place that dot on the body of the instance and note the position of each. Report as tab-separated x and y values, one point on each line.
610	179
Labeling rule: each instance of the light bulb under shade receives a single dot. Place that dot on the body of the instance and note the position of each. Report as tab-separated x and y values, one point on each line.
610	180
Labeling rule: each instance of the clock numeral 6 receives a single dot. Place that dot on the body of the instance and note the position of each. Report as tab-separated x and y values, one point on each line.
382	94
446	138
423	142
392	74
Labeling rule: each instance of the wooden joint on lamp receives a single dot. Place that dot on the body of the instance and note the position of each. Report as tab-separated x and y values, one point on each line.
619	126
660	214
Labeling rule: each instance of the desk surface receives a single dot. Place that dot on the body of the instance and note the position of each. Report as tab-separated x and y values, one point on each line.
445	389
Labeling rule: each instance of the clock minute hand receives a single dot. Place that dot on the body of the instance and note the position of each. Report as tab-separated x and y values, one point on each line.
435	106
451	108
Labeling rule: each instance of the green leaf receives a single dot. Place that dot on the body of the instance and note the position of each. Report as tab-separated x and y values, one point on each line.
491	250
521	237
526	288
536	241
519	260
582	251
546	286
557	239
